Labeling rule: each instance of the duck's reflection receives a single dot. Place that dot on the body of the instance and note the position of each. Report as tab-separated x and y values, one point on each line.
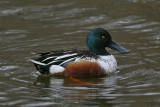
77	89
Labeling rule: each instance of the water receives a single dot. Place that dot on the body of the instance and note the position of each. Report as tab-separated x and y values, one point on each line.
40	26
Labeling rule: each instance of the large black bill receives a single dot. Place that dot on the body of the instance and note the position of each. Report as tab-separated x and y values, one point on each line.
113	45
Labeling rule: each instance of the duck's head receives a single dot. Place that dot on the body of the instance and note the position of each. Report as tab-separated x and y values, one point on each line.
99	38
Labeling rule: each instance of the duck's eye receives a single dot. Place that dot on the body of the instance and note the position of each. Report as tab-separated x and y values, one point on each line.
103	37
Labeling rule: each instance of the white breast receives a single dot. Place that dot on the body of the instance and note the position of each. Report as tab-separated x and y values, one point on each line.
108	63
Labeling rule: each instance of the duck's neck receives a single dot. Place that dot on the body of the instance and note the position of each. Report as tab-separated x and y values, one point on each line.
98	51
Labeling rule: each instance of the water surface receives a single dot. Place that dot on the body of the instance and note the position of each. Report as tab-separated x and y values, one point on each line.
40	26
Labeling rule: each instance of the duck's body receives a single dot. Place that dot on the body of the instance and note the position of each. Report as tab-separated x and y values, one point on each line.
95	62
75	63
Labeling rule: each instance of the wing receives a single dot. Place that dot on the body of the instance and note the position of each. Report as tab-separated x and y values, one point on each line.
56	57
61	58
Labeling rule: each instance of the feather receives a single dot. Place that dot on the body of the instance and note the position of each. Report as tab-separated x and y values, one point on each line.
37	62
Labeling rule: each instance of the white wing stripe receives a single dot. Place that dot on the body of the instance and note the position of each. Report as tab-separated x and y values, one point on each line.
65	56
48	58
37	62
53	62
67	60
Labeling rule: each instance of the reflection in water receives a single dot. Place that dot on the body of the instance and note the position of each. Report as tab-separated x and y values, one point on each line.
40	26
74	92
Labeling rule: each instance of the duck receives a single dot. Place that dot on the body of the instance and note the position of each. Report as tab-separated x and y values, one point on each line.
96	61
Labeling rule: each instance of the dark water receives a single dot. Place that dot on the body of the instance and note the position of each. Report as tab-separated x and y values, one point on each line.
42	25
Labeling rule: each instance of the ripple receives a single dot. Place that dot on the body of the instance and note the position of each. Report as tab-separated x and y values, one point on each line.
137	26
75	32
3	98
13	102
151	93
33	104
20	80
85	21
12	31
131	65
3	68
153	54
71	13
139	86
10	11
2	93
10	36
143	27
18	89
121	22
65	4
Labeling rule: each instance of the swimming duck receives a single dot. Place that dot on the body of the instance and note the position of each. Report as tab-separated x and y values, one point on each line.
96	61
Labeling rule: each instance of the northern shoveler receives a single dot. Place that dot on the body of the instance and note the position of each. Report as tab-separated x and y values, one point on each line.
77	63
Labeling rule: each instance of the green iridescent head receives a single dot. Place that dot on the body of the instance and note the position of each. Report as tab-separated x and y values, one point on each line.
98	39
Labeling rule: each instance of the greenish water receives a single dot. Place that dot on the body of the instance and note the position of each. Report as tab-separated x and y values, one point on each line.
43	25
